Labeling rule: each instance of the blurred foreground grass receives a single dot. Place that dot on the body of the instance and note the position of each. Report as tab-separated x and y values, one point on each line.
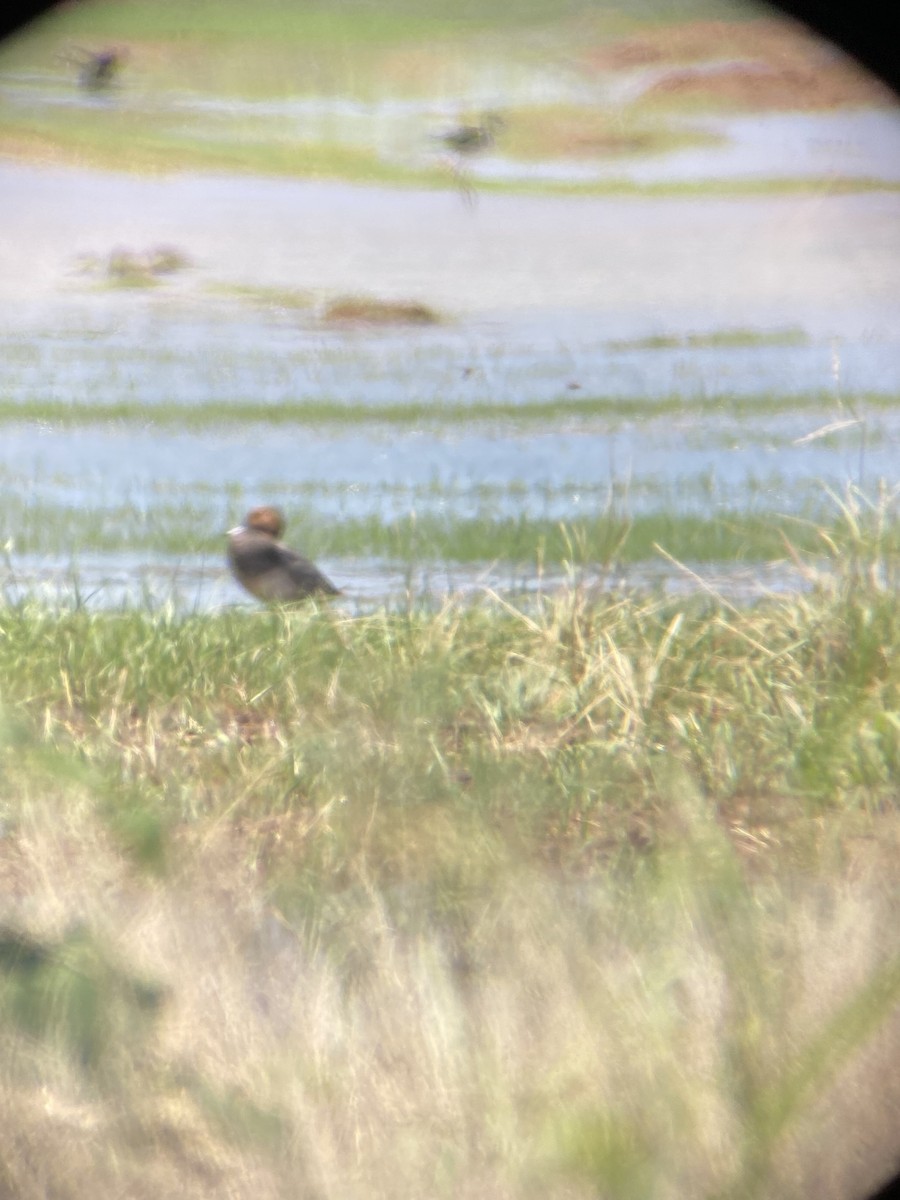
596	898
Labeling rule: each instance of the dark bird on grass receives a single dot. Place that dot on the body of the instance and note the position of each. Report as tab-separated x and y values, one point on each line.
468	139
98	68
268	569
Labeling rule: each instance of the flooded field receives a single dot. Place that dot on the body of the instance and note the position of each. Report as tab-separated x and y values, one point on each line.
673	355
169	354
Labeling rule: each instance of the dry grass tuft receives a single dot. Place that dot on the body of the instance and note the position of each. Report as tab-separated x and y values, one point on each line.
676	1033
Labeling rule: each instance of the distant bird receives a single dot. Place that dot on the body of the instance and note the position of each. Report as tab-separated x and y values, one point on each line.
467	139
266	568
98	68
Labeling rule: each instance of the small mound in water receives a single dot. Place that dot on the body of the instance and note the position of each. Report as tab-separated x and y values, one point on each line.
364	311
128	268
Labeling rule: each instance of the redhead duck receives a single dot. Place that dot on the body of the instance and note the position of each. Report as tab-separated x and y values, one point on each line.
266	568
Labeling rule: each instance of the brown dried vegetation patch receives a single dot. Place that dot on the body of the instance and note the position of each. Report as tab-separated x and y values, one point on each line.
765	64
361	310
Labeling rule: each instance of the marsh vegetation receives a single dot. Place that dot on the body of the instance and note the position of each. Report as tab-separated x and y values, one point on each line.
595	893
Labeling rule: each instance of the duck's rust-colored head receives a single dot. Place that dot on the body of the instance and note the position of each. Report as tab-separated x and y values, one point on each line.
265	519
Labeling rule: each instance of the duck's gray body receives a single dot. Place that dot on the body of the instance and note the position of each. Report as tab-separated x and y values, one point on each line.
266	568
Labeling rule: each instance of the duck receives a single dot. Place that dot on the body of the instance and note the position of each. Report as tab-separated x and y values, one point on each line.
269	570
467	139
98	68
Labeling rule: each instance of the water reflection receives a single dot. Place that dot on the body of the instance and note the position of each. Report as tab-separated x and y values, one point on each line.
194	584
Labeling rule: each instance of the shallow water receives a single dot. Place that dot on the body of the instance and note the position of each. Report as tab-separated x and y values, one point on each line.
636	265
205	352
389	473
544	299
198	584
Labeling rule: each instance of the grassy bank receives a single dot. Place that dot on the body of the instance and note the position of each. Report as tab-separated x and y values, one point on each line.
453	415
597	898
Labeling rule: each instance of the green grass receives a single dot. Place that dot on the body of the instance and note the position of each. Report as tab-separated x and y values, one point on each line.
281	48
776	186
264	297
609	536
356	50
275	21
746	701
595	897
354	21
134	142
482	411
715	338
141	144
